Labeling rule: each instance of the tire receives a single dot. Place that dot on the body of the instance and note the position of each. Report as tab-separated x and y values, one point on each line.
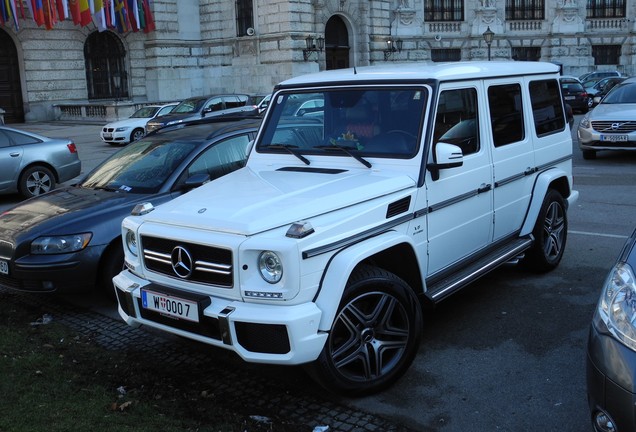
111	264
550	234
137	134
589	154
35	181
374	337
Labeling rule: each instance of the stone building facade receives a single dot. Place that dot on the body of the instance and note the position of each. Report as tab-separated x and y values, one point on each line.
209	46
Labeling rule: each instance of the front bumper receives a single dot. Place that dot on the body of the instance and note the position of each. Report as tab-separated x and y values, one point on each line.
611	370
70	272
262	333
115	137
590	139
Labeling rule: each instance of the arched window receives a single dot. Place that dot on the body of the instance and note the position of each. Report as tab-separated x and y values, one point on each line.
106	76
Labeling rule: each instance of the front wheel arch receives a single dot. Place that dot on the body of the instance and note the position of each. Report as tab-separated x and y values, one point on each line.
374	337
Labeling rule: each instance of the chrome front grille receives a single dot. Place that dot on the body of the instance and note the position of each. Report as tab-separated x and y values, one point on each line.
188	261
614	126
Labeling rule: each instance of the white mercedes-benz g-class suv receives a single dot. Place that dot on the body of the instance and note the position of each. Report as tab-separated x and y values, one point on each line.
369	193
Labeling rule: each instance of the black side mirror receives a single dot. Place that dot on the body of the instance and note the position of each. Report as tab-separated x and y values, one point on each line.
196	180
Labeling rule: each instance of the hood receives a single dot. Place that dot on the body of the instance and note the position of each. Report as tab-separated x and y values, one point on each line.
129	122
613	112
66	211
247	202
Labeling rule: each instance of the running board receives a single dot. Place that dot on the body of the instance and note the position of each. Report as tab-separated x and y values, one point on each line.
453	283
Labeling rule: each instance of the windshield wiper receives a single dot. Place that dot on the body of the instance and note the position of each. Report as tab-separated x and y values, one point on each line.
343	149
289	148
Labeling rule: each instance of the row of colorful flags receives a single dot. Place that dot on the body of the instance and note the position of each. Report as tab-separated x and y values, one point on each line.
118	15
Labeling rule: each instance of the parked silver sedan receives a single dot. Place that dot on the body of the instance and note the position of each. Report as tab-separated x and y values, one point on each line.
32	164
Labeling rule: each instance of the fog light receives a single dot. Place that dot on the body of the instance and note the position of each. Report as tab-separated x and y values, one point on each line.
604	422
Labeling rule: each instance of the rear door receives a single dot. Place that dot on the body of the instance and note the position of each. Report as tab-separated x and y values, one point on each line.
10	161
513	154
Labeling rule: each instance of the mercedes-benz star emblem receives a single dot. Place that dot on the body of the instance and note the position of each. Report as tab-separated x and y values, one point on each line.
181	262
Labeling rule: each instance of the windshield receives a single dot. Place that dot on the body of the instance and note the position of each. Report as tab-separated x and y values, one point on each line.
141	167
621	94
375	122
188	106
145	112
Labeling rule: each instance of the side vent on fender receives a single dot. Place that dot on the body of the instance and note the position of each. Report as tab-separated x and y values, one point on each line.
398	207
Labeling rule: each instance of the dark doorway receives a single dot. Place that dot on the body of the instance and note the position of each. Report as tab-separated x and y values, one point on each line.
106	76
336	44
10	88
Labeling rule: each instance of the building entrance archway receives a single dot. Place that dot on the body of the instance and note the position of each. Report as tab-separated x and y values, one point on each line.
336	44
10	87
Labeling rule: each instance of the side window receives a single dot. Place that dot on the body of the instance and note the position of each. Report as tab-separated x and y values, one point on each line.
456	121
506	114
222	158
214	104
21	139
233	102
547	108
4	140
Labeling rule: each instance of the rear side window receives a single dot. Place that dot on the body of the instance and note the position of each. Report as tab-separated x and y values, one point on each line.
506	114
547	107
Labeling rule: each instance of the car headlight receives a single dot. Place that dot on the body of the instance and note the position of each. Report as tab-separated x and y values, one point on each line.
130	240
122	129
585	122
60	244
617	306
270	266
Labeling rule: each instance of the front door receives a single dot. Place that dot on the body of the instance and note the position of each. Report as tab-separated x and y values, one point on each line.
460	202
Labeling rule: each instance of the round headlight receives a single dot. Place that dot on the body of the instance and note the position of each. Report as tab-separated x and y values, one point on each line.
270	266
131	243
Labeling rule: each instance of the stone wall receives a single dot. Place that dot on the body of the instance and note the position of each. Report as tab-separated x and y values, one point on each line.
195	49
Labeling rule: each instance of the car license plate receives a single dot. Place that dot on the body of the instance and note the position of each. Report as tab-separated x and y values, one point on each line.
570	97
168	305
4	267
613	138
108	135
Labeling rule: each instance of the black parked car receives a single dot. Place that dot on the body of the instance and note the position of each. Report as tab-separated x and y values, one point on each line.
196	108
574	94
70	239
611	349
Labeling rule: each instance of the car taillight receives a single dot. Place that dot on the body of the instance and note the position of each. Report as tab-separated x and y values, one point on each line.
584	94
71	147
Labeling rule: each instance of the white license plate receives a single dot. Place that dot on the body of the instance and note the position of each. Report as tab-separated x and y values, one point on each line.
570	97
4	267
169	305
108	135
613	138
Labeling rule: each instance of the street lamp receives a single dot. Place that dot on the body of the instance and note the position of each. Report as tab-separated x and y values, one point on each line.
311	47
392	46
117	84
488	36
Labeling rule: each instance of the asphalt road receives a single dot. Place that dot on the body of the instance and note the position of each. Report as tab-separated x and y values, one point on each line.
508	353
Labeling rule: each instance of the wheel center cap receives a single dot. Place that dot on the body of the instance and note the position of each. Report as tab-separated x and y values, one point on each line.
367	335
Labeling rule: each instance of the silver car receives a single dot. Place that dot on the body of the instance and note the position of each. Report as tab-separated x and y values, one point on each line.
32	164
611	125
